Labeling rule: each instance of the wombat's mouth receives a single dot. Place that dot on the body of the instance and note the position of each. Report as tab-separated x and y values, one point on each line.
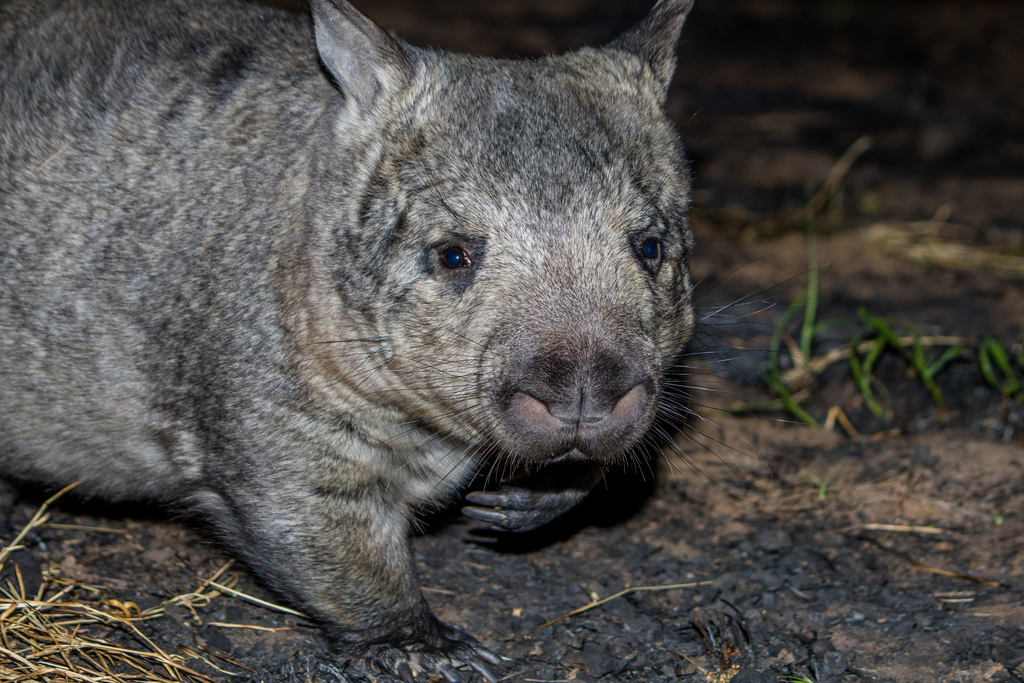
572	455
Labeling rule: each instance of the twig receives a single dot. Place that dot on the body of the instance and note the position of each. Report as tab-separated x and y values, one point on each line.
904	528
256	601
635	589
36	520
53	156
837	173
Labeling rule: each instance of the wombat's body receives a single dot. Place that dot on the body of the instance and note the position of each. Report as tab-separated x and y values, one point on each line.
302	313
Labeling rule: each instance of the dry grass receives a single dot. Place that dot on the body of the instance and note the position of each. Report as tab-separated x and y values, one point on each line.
937	244
71	632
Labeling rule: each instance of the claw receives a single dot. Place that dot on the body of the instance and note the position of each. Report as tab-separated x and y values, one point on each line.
490	499
404	672
445	655
485	671
492	658
450	674
489	516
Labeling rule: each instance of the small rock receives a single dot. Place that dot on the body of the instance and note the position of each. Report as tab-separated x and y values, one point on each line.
833	664
597	660
215	639
922	455
774	540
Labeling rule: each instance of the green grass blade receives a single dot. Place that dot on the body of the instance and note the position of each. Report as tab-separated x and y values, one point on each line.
863	379
874	354
992	353
807	330
792	405
920	363
882	327
775	374
988	371
1001	359
945	359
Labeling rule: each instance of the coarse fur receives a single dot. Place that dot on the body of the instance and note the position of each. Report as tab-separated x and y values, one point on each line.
303	297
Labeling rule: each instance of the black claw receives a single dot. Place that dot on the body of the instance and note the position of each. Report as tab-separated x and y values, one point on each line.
489	516
493	659
448	651
450	674
489	499
405	672
485	671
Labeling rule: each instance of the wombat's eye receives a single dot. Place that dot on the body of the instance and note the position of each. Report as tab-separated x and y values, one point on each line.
454	258
651	248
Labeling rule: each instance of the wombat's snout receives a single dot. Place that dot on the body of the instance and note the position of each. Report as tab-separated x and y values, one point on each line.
598	407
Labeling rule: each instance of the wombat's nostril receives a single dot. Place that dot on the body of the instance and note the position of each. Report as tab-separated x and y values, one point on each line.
530	410
631	405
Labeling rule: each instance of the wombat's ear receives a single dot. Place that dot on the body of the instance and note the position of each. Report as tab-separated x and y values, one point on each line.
367	64
654	39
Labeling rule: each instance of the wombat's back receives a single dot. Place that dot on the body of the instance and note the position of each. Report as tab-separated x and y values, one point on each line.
118	122
74	68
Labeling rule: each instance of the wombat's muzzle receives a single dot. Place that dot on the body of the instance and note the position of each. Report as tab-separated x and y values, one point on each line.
599	406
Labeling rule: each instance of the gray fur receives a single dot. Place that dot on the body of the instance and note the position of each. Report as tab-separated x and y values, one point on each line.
228	282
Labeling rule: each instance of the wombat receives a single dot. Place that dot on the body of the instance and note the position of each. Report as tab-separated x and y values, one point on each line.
304	279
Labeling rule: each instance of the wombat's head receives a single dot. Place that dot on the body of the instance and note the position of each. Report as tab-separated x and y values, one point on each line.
511	236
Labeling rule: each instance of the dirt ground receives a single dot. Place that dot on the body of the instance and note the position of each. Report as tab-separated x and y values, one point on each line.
889	549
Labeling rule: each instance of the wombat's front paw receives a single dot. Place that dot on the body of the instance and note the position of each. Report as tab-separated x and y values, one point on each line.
512	508
442	652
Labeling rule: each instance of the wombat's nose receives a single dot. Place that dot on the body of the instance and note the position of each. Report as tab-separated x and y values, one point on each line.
557	406
581	412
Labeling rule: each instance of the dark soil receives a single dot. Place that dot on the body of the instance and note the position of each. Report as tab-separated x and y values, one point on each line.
792	579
